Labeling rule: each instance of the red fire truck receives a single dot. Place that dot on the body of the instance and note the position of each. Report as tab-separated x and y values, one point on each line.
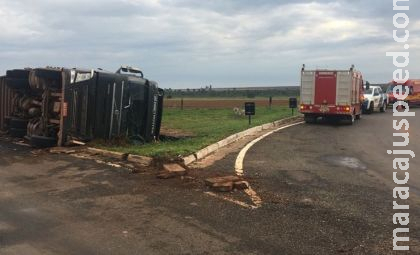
413	88
332	94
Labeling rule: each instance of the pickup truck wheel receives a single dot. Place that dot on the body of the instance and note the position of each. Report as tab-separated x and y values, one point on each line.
384	106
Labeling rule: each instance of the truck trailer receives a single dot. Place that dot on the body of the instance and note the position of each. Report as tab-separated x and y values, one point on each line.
331	94
55	106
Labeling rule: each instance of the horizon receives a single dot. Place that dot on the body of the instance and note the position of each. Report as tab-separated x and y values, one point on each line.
191	44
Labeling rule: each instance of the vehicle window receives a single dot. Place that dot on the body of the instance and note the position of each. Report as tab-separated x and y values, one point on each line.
375	92
368	91
404	88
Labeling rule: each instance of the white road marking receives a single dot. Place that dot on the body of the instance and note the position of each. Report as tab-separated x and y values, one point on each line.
254	197
239	164
237	202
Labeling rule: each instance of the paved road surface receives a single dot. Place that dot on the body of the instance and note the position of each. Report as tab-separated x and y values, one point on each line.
312	203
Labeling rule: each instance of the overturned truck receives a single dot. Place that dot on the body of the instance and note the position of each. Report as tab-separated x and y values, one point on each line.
57	106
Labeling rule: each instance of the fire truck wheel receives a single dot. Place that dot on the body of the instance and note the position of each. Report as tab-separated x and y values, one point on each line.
358	116
18	123
17	132
310	119
350	119
17	83
42	141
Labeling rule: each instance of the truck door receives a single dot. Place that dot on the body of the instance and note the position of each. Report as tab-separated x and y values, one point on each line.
325	88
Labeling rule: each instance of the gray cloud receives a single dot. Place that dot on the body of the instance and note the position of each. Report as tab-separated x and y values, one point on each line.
195	43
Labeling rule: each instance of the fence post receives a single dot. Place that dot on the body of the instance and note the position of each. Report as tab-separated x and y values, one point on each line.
182	103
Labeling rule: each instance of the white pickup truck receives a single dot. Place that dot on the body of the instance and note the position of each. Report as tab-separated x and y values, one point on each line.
374	99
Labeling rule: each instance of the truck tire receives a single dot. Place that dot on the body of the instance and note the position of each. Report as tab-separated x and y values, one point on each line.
18	123
50	74
350	119
42	141
18	73
17	83
7	122
17	132
384	106
40	79
310	119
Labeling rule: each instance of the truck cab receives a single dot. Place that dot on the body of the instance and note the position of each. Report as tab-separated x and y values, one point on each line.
410	86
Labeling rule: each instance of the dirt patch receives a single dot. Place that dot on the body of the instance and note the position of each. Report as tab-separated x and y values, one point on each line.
175	133
220	103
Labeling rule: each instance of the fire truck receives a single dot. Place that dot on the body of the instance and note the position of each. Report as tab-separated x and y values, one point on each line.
410	86
331	94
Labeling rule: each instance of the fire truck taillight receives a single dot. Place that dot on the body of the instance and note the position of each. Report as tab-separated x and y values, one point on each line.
347	109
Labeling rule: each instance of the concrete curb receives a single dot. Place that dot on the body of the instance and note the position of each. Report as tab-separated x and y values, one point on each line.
233	138
137	160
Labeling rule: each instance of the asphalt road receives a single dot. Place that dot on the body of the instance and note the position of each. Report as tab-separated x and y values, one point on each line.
344	174
313	203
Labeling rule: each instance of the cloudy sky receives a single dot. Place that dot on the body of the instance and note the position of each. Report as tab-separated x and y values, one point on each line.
194	43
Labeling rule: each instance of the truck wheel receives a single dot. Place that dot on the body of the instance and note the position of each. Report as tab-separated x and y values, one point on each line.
7	122
310	119
17	132
384	106
17	83
350	119
18	123
18	73
42	141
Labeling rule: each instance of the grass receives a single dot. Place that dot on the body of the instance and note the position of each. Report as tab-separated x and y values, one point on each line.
206	126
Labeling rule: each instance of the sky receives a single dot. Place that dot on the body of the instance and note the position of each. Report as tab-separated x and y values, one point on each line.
196	43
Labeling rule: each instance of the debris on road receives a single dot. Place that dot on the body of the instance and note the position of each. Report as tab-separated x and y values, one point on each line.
140	160
59	150
226	183
241	185
171	171
110	154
